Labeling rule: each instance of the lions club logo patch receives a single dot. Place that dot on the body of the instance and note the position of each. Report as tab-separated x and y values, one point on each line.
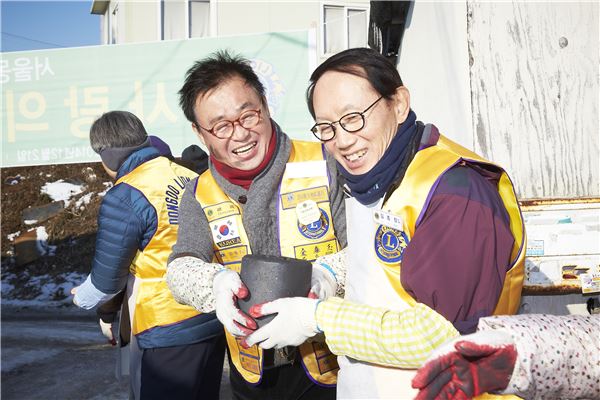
316	229
390	244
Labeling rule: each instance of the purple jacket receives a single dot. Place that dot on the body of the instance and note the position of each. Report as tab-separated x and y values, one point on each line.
460	252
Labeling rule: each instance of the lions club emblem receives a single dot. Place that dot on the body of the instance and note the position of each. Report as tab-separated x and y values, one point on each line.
317	229
390	244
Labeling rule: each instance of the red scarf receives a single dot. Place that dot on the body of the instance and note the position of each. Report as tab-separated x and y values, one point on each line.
245	178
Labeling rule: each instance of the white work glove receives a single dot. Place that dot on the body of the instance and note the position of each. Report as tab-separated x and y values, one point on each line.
74	293
106	329
227	288
295	322
322	282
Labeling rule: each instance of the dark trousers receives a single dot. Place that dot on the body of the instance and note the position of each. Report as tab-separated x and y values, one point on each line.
190	372
288	382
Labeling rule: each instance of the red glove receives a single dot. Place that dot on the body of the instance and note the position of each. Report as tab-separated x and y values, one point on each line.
467	367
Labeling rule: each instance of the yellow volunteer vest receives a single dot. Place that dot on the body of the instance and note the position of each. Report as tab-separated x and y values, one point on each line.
162	183
230	243
408	202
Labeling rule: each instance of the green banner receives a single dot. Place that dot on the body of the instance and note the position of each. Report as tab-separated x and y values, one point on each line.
51	97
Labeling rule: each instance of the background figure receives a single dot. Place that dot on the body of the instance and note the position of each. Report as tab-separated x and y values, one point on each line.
195	158
175	352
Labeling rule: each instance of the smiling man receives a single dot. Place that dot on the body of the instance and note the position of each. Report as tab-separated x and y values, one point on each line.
247	203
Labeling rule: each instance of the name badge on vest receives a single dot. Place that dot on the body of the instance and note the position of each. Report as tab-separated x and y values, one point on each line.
390	239
313	221
308	212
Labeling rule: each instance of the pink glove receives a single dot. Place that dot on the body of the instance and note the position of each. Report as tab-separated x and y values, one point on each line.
467	367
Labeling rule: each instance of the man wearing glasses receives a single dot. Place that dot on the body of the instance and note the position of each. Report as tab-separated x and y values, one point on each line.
435	238
247	203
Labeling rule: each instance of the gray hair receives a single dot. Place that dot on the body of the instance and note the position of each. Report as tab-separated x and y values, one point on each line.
116	129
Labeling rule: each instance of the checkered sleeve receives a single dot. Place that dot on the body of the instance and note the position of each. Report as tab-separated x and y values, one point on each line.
393	338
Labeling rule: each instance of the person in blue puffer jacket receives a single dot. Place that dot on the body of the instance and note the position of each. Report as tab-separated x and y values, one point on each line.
176	352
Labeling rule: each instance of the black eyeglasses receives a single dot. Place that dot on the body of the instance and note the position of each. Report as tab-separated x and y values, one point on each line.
224	129
351	122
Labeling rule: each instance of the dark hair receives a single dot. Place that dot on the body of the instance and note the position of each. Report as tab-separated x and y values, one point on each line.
212	71
363	62
117	129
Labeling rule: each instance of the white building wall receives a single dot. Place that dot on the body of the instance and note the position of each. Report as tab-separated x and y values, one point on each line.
141	21
434	66
126	21
239	17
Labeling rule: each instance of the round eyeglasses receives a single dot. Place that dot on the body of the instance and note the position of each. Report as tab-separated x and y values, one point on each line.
224	129
351	122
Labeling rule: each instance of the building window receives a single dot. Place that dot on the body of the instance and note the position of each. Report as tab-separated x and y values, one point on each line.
333	29
357	28
199	18
173	19
344	27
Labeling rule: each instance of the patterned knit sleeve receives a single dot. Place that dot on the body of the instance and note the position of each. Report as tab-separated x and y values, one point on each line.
190	271
336	264
190	281
558	356
401	339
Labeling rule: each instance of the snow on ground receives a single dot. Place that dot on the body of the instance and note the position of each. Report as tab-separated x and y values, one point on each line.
84	200
7	287
42	242
51	288
61	190
108	186
12	236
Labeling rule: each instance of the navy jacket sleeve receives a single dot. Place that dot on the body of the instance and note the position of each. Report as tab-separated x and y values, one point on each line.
126	222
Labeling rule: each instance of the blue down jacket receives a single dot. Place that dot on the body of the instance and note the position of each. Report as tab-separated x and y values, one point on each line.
126	223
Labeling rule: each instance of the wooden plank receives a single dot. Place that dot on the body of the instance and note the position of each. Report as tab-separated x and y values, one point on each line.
534	84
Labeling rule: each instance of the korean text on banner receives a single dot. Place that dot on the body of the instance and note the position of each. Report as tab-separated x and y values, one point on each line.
51	97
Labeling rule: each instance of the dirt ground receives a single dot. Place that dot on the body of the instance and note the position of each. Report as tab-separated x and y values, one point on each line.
73	230
41	345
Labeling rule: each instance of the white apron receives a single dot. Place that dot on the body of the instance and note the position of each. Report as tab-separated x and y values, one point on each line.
367	283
